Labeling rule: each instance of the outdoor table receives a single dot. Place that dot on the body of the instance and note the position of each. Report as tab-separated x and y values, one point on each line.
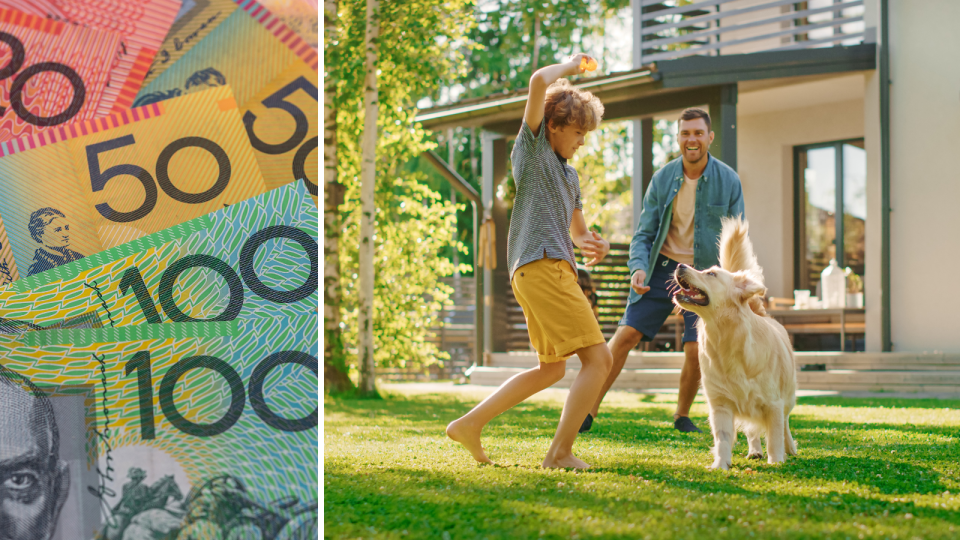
786	316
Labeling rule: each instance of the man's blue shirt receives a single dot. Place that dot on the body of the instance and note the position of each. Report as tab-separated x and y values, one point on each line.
718	195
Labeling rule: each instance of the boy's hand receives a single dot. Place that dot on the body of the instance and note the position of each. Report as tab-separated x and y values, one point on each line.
636	281
578	66
595	246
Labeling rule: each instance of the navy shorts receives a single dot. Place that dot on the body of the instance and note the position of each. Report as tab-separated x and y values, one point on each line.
648	314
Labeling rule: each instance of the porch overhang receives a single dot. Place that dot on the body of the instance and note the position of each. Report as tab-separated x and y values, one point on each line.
662	86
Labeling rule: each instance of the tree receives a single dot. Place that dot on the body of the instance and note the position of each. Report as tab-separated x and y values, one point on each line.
335	377
417	50
368	177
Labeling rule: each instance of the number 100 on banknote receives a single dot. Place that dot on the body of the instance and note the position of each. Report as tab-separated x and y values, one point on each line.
89	186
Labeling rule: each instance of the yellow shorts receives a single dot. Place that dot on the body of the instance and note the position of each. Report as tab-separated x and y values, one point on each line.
559	317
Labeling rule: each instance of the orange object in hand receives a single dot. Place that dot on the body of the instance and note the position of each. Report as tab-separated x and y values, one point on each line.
588	64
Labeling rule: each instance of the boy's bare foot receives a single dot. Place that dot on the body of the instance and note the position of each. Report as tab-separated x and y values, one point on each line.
567	462
469	437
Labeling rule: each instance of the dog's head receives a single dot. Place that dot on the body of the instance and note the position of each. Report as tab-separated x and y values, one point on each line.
713	291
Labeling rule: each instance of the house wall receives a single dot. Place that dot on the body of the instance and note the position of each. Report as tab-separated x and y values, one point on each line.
924	180
769	126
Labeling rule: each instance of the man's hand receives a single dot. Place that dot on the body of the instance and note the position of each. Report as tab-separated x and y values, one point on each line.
596	247
636	281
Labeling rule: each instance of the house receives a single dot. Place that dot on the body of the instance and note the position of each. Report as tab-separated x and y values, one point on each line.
841	117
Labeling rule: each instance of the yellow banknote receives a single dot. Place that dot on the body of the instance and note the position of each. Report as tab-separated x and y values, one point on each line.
86	187
283	127
273	73
195	20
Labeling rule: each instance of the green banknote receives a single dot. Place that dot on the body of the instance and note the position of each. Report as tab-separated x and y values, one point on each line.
192	430
257	259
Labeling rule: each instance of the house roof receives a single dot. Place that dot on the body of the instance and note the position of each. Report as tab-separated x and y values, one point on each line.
661	86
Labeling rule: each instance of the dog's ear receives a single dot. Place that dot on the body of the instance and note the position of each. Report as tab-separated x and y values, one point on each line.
748	286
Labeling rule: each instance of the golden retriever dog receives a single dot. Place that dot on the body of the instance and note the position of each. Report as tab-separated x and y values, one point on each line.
747	365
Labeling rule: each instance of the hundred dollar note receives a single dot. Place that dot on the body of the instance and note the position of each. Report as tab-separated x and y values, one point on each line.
85	187
278	97
185	431
53	73
257	259
142	25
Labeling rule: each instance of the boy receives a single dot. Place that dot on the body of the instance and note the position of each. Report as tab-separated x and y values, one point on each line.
547	221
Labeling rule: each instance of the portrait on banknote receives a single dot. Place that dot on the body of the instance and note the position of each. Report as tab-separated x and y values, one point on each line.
50	228
43	464
199	81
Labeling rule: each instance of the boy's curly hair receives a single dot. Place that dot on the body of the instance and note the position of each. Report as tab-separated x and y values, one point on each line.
566	105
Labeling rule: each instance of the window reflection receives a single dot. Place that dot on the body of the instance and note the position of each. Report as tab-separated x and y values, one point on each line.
818	228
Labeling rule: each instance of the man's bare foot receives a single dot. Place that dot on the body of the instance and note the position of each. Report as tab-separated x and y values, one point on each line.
469	437
567	462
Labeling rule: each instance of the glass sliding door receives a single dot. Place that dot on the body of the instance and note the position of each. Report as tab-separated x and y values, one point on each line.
829	177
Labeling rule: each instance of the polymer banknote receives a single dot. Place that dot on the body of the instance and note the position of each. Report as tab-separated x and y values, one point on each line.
255	260
53	73
198	19
79	189
198	430
141	24
302	16
273	73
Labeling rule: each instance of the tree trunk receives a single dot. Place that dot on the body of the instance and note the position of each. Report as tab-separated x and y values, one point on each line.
536	42
335	378
367	206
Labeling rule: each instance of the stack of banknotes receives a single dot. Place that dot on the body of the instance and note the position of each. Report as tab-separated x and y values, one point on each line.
159	269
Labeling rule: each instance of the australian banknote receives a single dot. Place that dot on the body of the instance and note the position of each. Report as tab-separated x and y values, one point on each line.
257	259
85	187
142	26
273	73
53	73
192	432
302	16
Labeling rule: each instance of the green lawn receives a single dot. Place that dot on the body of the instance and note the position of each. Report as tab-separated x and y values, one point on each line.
868	468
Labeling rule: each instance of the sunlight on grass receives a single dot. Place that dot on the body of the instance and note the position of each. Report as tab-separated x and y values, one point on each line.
877	468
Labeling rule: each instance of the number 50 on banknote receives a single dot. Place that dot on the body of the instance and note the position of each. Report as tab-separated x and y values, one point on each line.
85	187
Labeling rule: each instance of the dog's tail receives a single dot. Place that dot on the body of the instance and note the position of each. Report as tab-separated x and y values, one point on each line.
736	254
736	250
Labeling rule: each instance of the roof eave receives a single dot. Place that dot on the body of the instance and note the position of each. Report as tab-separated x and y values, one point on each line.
486	111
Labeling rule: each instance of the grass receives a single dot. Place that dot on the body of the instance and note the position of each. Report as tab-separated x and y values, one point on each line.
868	468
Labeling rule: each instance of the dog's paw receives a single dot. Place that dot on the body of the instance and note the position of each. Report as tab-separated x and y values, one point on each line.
720	464
755	455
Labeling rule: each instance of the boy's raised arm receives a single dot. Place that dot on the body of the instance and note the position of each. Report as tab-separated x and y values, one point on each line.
539	82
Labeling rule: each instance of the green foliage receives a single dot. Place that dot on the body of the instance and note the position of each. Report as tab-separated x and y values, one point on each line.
503	59
417	53
602	164
880	468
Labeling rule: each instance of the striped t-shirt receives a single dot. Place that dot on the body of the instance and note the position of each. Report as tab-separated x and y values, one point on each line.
548	191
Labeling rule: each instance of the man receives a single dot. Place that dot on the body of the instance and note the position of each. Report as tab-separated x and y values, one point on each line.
34	482
680	223
50	228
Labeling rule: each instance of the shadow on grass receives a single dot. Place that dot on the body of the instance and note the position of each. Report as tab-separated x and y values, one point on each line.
899	478
529	503
896	469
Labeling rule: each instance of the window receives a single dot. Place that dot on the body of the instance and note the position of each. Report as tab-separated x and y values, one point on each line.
826	177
